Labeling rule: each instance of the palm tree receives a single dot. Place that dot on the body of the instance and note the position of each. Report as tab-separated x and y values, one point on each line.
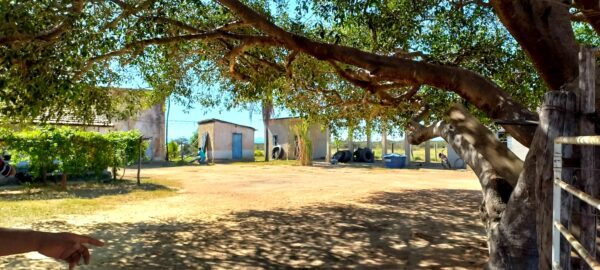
267	112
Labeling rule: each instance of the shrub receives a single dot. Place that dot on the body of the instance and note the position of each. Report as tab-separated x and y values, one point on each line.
72	151
259	153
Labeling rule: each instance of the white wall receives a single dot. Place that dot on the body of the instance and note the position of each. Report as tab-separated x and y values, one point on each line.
454	159
517	148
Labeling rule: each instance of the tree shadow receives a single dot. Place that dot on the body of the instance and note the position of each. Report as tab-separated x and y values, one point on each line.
407	230
83	190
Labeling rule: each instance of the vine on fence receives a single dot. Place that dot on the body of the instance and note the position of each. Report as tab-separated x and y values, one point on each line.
72	151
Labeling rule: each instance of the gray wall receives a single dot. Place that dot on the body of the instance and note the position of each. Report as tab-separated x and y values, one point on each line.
151	123
283	128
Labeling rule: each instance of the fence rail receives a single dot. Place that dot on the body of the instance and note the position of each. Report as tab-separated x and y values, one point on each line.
557	228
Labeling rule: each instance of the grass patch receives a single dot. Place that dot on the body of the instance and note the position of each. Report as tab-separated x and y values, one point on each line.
25	205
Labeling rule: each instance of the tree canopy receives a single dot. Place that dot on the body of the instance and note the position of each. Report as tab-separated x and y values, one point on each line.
55	54
336	61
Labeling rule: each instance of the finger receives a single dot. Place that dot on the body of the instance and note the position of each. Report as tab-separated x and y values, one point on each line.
68	252
86	255
74	260
89	240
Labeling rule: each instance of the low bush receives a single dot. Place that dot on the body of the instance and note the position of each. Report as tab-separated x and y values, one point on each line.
71	151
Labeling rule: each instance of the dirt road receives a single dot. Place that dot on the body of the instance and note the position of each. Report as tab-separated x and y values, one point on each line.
279	217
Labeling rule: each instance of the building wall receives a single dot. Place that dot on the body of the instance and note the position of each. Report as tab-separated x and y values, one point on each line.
516	147
221	137
283	128
151	123
454	159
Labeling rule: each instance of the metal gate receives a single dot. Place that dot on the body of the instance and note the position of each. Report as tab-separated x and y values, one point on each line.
558	228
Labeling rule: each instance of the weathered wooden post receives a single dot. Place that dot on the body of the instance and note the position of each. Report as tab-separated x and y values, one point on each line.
383	142
427	154
139	167
407	150
557	119
328	145
586	106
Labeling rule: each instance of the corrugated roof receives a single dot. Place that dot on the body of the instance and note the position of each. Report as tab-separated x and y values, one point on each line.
70	120
212	120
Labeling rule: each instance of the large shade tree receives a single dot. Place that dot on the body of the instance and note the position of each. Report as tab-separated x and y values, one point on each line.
339	61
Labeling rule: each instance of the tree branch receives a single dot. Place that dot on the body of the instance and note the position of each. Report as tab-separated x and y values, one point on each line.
51	34
591	12
479	91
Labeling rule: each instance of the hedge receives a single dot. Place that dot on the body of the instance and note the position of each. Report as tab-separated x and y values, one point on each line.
72	151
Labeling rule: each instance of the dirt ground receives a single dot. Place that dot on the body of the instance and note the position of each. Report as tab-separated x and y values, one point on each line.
281	217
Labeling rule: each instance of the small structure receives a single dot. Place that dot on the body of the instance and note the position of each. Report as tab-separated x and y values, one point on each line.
454	159
513	145
226	140
150	122
281	132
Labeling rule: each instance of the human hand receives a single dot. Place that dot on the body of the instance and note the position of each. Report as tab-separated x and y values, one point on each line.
67	247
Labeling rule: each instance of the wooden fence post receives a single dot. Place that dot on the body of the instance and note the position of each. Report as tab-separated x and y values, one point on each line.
139	167
587	183
556	119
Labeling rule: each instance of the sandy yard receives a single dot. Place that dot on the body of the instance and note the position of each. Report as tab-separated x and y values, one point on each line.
280	217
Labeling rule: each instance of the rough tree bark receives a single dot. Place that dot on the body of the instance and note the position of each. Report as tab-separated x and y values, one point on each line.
479	91
511	196
470	139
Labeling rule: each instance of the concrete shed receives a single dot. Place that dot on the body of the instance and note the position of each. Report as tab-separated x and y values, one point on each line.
513	145
281	132
226	140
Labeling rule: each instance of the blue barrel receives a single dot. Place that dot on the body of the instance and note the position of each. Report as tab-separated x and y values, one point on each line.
394	161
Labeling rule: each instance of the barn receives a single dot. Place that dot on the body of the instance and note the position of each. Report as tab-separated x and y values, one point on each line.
225	140
281	134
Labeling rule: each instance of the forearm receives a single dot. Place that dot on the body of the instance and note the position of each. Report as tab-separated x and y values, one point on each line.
14	241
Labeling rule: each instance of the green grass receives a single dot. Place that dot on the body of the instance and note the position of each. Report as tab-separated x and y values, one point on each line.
26	205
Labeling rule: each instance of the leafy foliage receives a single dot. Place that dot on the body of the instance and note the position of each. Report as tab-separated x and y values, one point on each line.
72	151
173	148
108	43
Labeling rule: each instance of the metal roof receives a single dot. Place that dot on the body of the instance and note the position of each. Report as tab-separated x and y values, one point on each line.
212	120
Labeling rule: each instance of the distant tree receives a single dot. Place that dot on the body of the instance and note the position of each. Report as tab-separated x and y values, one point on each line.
173	148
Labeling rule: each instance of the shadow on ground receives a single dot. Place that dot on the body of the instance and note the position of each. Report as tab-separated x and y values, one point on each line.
83	190
409	230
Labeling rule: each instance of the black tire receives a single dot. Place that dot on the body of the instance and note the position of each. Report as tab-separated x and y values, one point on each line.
342	156
277	152
356	156
347	156
367	155
338	155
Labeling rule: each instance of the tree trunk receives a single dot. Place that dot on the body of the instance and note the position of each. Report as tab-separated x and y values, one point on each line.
328	145
383	142
427	154
522	243
407	151
63	181
515	242
267	150
464	133
368	132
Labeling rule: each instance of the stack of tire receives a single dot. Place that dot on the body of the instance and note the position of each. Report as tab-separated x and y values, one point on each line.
363	155
360	155
277	152
343	156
